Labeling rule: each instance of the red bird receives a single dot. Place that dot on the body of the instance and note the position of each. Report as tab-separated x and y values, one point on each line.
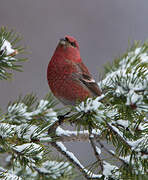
68	78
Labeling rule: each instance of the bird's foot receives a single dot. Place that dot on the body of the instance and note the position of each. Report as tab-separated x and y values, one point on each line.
62	117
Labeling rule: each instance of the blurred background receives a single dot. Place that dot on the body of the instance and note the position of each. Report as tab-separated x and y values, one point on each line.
101	27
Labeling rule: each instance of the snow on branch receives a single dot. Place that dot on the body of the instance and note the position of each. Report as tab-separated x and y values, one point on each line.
66	135
8	176
19	112
90	105
50	169
8	50
129	79
70	157
7	130
32	152
119	116
54	169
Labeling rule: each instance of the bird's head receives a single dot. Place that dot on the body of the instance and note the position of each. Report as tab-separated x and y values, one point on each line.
69	42
68	48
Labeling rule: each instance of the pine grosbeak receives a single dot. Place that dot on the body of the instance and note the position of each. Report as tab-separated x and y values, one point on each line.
68	78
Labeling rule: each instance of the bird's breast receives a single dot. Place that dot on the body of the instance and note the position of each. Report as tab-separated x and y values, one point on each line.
58	73
61	81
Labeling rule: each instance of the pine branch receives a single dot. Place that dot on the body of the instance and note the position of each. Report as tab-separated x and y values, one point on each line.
8	53
71	158
119	116
7	176
126	142
60	120
110	152
117	133
97	154
54	169
66	135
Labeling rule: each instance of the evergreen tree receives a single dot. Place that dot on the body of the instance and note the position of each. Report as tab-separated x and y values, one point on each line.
30	127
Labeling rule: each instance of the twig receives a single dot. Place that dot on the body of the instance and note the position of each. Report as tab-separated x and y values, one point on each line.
111	153
115	131
98	157
61	120
70	157
66	135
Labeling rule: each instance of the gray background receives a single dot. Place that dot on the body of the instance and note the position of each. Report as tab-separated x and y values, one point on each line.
102	27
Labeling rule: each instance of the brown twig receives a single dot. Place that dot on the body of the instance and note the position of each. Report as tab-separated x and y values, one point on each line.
110	152
71	158
98	157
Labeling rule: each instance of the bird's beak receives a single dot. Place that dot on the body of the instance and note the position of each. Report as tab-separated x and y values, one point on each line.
62	42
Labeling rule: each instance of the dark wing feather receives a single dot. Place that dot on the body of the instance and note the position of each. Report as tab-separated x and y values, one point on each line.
85	77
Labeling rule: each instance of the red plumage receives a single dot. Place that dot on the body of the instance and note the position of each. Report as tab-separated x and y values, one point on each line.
68	78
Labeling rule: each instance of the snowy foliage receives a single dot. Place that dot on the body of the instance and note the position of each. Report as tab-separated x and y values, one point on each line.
121	114
19	111
93	107
23	137
117	119
9	48
110	171
6	130
54	169
9	176
130	79
49	170
31	151
89	105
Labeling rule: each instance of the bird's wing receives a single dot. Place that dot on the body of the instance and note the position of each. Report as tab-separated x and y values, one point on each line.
85	77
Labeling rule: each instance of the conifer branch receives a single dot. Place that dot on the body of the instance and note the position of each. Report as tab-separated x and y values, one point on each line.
98	157
71	158
111	152
66	135
119	116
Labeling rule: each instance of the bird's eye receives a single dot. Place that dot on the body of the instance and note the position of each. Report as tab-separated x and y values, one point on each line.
67	39
73	44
